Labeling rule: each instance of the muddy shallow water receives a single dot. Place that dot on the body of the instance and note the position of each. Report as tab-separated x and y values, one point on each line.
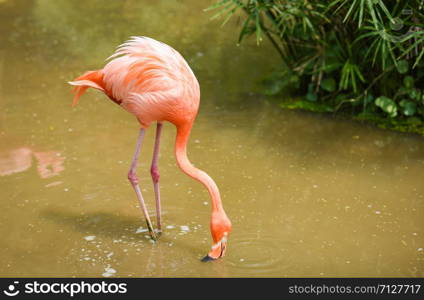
308	195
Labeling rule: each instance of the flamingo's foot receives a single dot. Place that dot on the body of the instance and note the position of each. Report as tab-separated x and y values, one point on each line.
152	233
158	233
155	234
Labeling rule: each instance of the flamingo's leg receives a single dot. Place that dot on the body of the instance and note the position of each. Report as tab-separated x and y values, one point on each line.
132	177
154	171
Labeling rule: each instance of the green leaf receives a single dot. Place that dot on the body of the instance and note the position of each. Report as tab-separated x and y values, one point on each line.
328	68
415	94
258	29
216	5
368	99
328	84
402	66
246	29
408	82
409	108
387	105
311	97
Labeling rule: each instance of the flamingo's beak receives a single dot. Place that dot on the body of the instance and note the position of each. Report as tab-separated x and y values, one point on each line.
217	250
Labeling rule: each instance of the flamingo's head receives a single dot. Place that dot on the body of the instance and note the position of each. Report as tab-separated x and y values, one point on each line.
220	229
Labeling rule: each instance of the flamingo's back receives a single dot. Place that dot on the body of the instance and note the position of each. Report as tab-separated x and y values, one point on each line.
149	79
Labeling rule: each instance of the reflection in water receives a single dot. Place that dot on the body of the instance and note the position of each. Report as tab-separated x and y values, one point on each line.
49	163
15	161
18	160
308	195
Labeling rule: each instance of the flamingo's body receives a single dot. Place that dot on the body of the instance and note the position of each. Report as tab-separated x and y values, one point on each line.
153	81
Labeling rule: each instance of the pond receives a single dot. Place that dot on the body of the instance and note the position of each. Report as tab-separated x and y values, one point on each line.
308	195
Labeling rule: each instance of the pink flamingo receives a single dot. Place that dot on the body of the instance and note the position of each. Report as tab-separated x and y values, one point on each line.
152	81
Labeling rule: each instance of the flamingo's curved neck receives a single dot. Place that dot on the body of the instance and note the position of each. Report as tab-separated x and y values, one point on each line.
183	132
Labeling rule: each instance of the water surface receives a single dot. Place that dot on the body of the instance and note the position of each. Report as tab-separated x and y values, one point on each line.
308	195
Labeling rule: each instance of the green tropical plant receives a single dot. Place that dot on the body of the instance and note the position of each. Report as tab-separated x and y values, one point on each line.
362	56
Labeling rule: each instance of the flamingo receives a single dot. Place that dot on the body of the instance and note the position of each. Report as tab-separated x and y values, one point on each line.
152	81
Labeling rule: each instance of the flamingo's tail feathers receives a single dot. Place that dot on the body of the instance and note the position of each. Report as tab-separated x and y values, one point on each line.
93	79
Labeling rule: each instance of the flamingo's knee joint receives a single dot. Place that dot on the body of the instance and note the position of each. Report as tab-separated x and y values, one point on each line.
154	171
132	177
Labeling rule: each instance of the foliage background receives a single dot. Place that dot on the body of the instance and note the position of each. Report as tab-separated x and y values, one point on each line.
362	57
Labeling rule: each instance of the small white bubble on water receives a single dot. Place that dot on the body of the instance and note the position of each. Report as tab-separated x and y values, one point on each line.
420	249
109	272
241	259
205	203
170	226
184	228
141	229
377	212
90	237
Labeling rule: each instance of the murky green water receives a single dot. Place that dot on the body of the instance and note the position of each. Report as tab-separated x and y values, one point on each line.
308	195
